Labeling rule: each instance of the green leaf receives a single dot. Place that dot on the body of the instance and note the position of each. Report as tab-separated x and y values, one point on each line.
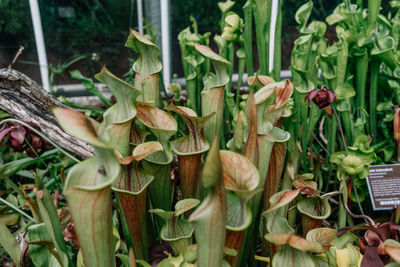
348	256
189	149
383	45
49	215
147	67
243	178
9	218
39	252
7	214
393	264
317	27
124	259
120	134
250	149
226	6
143	263
141	151
220	65
324	236
266	92
124	110
10	244
160	123
275	170
282	199
161	190
314	207
303	13
132	180
89	85
148	62
344	91
185	205
176	230
277	224
290	257
334	18
179	229
194	142
212	96
279	135
131	187
78	125
10	168
209	218
163	126
259	80
338	157
172	261
392	247
294	241
88	192
343	240
238	213
237	142
271	103
212	100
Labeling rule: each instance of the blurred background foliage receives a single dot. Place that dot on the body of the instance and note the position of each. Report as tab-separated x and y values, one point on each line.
97	28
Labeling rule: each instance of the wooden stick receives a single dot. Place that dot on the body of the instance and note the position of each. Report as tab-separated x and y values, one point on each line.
25	100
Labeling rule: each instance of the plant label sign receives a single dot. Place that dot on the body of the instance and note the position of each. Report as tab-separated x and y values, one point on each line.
384	186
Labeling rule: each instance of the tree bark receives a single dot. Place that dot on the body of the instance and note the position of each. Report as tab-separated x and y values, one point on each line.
25	100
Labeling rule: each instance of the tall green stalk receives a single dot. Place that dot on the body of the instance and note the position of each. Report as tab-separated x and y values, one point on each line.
361	79
278	44
373	93
241	55
248	36
373	12
262	18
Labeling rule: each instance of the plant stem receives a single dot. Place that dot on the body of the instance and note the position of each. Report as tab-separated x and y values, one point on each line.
42	161
163	88
361	80
315	138
342	214
248	36
231	59
357	216
373	12
278	43
241	66
340	129
262	18
199	88
357	198
372	97
347	152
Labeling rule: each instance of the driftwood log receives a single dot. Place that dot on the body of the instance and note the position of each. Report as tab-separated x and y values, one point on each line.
25	100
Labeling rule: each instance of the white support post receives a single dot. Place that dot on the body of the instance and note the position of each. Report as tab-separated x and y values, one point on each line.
165	47
274	16
140	15
40	45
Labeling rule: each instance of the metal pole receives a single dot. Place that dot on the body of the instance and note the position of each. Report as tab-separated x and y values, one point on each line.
140	15
40	45
165	41
274	16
